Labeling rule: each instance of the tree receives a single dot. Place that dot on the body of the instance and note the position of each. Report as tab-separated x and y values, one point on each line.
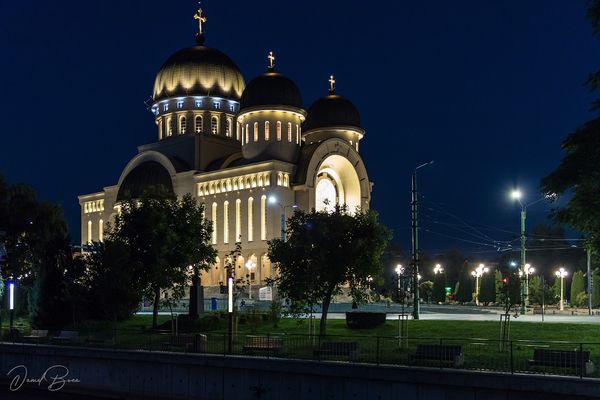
499	285
579	171
596	288
426	290
325	250
487	291
439	288
164	237
577	286
535	290
464	289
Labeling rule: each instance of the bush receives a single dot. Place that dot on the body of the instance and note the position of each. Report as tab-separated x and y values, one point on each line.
364	320
581	300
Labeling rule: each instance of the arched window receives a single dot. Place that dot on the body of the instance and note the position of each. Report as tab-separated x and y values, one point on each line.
278	131
214	223
297	134
198	124
214	125
250	227
290	132
263	217
267	130
226	222
169	127
228	127
101	231
238	220
182	125
247	133
160	128
237	131
256	131
89	232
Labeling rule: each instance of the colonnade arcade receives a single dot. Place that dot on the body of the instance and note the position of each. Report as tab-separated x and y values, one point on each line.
260	269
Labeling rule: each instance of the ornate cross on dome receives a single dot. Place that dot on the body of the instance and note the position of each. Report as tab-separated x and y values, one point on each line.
271	58
331	84
201	19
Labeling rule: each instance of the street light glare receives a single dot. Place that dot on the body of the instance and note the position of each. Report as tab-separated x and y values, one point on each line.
272	199
516	194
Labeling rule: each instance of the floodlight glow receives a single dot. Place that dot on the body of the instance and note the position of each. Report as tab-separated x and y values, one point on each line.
516	194
230	294
272	200
399	269
11	290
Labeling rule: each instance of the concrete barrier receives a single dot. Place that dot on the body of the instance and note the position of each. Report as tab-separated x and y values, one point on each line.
162	375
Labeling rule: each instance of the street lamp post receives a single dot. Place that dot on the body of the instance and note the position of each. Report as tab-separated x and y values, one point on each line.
438	269
11	303
477	274
562	273
250	266
415	239
273	200
399	271
524	275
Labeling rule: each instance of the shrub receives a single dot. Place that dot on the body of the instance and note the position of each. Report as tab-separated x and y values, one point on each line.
364	320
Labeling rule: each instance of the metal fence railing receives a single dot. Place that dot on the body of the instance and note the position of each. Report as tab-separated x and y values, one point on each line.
516	356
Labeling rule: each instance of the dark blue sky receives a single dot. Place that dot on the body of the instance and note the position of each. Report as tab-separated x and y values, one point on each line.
486	89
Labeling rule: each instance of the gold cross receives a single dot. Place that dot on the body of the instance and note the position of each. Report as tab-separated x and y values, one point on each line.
271	58
331	84
201	18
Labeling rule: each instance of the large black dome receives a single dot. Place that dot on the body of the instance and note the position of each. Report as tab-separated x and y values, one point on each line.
332	110
200	71
271	89
146	175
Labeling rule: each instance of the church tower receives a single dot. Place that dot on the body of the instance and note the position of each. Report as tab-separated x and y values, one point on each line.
270	117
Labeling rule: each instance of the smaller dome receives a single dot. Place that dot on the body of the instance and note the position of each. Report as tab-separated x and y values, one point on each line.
271	89
330	111
145	175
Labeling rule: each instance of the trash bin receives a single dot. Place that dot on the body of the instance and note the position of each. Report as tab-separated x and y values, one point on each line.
213	304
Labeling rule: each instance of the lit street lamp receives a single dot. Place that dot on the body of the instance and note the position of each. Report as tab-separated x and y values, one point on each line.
401	296
562	273
438	269
478	273
273	200
250	266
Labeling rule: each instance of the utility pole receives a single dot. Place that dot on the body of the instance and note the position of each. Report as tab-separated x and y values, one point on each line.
589	280
524	281
415	240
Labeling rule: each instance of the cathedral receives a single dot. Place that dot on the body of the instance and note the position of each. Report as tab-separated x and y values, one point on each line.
252	153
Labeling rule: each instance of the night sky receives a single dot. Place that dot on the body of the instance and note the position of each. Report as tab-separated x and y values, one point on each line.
486	89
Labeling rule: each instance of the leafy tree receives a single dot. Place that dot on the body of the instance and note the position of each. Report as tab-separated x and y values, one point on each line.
426	290
439	288
535	290
579	171
325	250
499	285
577	286
487	289
164	236
464	288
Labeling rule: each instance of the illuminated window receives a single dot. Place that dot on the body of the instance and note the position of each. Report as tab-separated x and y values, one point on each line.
278	131
216	105
263	217
232	107
214	125
214	223
247	134
198	124
182	125
256	131
89	232
166	107
180	104
198	103
290	132
169	127
238	220
238	131
226	222
267	130
326	195
250	227
101	231
297	134
228	127
160	129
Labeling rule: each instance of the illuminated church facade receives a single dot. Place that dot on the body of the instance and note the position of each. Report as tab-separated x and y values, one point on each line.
251	153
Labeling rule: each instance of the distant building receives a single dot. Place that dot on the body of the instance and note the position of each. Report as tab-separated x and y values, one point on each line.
250	153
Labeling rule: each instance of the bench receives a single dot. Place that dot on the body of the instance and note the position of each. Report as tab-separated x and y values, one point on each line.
439	354
36	336
66	337
346	349
263	344
568	359
189	343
